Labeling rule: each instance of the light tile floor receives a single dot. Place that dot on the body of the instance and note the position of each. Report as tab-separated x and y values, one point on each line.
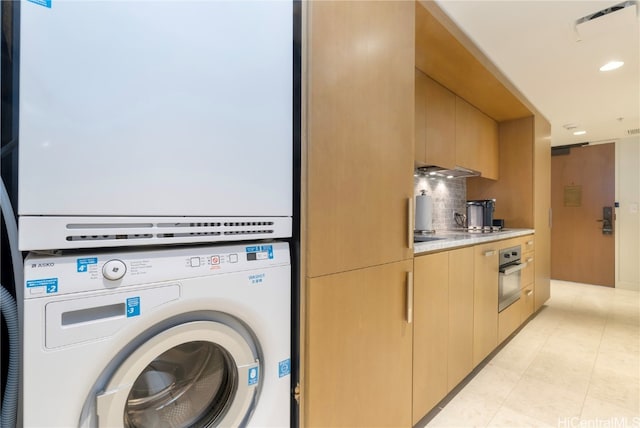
575	365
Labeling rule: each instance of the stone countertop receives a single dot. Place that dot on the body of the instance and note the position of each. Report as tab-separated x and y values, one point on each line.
450	239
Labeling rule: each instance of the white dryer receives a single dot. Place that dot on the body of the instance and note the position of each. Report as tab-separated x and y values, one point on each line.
196	336
152	123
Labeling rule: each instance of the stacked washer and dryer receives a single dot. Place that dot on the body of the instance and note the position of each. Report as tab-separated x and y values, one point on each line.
155	199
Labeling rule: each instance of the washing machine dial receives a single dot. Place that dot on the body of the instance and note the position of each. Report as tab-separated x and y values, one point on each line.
114	270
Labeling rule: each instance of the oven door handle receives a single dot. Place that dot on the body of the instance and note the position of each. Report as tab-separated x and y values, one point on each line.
513	268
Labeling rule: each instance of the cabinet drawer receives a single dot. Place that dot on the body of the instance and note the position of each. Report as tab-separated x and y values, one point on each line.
528	244
509	320
526	302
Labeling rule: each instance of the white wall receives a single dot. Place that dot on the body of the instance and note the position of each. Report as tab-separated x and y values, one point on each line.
627	216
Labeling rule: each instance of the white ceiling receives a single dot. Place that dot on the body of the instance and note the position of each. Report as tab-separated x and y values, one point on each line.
535	44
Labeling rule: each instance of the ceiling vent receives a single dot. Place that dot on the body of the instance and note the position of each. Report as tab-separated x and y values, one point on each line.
605	12
634	131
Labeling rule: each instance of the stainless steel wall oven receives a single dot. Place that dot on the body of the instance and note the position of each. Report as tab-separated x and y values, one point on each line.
510	277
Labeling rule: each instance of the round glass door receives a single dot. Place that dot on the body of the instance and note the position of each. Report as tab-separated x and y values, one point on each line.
196	374
188	385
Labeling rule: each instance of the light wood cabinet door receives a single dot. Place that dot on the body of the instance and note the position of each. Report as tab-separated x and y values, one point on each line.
360	120
509	320
527	275
476	140
527	302
430	332
467	147
435	123
542	207
359	349
460	345
488	150
485	301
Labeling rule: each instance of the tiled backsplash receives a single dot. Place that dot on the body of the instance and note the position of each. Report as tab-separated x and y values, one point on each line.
448	195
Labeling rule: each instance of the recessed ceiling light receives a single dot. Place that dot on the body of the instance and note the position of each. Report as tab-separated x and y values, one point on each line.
579	132
611	65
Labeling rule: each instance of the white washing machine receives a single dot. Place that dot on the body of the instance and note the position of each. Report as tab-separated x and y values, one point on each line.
173	337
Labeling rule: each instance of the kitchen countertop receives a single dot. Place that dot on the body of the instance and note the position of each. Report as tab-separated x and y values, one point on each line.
449	239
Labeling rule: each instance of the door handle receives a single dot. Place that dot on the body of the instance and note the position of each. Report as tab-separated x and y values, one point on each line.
607	220
409	302
410	220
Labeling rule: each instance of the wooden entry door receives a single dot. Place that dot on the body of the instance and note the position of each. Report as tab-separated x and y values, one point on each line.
582	184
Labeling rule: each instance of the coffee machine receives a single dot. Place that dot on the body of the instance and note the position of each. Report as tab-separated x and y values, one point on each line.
480	215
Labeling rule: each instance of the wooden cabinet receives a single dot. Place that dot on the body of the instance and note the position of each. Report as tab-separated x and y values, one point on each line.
435	110
542	209
451	132
430	332
357	239
509	320
485	300
526	303
476	142
523	190
443	326
460	341
528	256
512	317
359	348
359	145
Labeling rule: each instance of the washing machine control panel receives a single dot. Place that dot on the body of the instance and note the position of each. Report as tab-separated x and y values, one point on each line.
55	275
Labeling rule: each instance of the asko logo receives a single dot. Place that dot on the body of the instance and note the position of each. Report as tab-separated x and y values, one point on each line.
41	265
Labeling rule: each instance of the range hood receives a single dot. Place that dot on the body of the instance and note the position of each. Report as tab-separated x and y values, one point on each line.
437	171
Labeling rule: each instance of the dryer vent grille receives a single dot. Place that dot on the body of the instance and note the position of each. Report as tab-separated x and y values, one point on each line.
108	237
179	231
60	232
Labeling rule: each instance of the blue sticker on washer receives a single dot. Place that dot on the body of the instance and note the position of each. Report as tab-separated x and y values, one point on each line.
254	376
259	252
133	307
51	284
45	3
83	264
284	368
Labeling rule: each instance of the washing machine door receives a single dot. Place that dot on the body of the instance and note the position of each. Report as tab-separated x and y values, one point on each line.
201	373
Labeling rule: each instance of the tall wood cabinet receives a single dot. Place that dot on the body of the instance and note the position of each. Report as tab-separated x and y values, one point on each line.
523	191
357	230
542	209
361	130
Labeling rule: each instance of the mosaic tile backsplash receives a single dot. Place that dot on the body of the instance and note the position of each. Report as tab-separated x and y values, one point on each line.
448	196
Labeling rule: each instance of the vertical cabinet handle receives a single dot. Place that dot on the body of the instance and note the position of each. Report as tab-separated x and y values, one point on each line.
530	259
410	223
409	297
550	217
